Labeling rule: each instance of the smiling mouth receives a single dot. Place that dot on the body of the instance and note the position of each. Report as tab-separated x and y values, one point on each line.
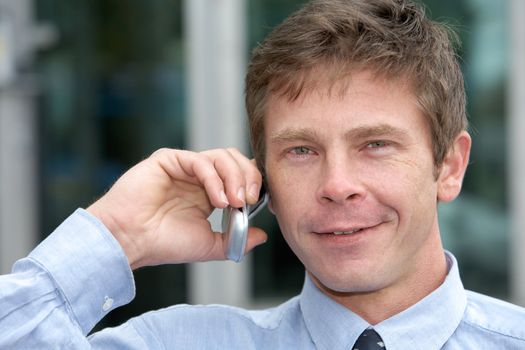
349	230
338	233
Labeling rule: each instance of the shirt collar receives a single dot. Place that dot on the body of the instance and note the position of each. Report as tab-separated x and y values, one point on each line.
425	325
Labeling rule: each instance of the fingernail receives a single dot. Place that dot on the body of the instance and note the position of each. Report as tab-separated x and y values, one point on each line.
241	194
254	191
261	243
223	197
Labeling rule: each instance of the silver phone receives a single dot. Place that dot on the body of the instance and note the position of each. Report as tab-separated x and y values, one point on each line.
235	226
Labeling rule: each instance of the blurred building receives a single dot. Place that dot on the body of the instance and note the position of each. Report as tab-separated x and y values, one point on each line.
90	87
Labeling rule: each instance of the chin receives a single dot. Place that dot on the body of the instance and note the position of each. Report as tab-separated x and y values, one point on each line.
340	281
341	284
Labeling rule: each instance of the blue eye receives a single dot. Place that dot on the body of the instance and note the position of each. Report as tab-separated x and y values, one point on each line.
377	144
300	153
301	150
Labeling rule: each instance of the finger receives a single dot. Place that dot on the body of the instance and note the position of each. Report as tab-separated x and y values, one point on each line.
195	168
252	175
231	174
208	175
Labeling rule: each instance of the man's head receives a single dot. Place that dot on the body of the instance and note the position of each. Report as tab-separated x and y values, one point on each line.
357	115
326	40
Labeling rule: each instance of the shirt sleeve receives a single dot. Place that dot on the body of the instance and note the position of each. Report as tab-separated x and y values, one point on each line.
56	295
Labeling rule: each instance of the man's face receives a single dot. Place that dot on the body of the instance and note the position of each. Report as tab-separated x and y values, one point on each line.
352	183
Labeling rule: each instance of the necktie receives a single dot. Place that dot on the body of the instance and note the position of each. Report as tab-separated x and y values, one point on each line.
369	340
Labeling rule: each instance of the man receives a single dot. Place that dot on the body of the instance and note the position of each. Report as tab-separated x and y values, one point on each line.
357	117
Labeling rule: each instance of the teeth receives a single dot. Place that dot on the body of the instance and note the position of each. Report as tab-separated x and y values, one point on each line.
346	232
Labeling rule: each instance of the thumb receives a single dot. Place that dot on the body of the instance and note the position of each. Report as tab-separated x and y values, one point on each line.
256	236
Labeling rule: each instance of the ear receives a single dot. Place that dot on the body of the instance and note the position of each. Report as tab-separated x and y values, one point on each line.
453	168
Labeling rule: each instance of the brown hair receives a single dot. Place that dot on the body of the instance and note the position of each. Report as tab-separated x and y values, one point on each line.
392	37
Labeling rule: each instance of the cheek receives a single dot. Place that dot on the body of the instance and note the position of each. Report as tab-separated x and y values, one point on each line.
407	187
412	173
416	205
288	198
280	194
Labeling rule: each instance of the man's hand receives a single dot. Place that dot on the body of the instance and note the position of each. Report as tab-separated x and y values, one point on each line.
158	209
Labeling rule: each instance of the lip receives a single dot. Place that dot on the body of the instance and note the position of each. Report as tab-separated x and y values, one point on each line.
356	228
356	240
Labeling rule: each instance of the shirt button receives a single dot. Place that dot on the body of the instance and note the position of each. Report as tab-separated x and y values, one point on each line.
108	303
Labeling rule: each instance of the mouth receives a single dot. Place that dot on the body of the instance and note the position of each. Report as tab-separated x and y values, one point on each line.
338	233
345	231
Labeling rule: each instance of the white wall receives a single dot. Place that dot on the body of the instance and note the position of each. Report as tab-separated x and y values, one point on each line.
516	147
216	47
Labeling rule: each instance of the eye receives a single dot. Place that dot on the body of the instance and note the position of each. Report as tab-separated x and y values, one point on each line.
300	151
377	144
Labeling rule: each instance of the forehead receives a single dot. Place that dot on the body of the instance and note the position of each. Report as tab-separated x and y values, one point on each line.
362	100
354	89
331	79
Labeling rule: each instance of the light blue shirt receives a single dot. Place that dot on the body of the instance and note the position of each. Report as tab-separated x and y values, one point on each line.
78	274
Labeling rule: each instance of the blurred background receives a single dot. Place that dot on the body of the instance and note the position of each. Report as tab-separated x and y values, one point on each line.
90	87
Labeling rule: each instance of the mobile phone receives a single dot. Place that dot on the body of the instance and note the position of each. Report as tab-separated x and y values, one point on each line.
235	226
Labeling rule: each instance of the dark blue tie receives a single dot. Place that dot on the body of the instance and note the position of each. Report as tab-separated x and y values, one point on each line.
369	340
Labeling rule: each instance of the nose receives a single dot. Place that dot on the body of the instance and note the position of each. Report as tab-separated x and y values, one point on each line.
340	183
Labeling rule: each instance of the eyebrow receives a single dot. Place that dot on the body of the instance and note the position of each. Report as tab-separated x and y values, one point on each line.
358	133
364	132
294	134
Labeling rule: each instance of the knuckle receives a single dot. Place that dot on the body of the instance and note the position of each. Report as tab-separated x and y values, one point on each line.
235	178
256	174
208	180
161	151
234	150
